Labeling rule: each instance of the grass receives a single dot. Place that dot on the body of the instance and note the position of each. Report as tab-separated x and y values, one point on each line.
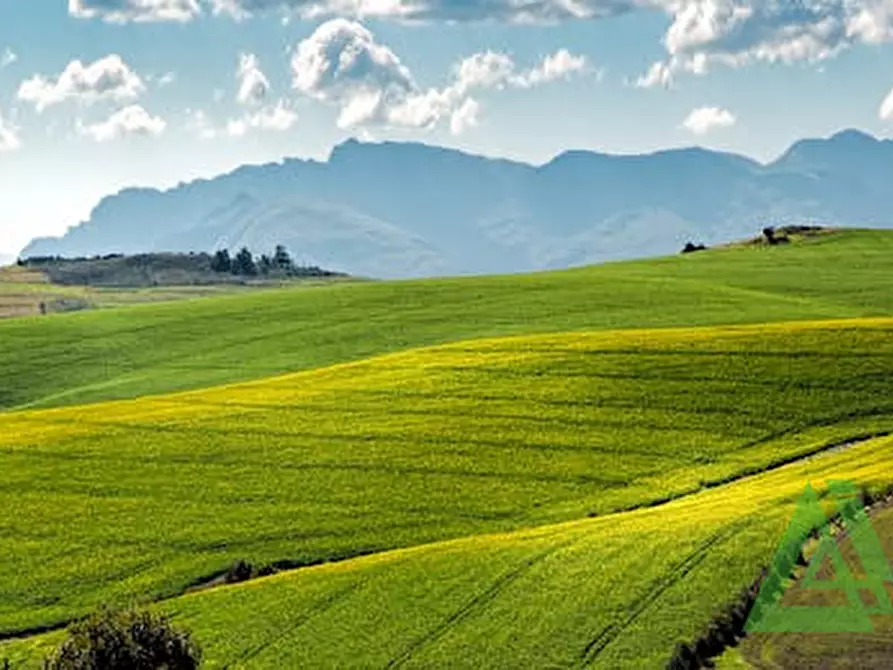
449	484
22	290
128	352
610	592
144	497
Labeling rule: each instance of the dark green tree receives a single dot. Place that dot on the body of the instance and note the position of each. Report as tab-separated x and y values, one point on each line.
243	263
128	640
265	265
221	261
282	260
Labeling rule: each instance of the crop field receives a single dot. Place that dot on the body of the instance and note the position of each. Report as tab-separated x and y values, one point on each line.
554	470
144	497
88	357
609	592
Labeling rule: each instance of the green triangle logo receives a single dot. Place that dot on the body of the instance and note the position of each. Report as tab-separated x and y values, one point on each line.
769	615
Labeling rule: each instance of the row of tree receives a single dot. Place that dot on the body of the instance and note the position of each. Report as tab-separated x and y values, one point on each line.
245	264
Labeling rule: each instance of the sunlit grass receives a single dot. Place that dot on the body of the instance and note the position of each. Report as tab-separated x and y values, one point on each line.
143	497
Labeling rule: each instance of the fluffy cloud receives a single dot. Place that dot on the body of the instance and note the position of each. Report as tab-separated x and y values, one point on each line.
702	34
253	83
7	58
132	120
560	65
107	78
9	136
278	118
734	33
706	119
121	11
341	63
342	58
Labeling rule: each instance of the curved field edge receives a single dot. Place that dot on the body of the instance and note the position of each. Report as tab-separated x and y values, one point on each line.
611	592
143	498
72	359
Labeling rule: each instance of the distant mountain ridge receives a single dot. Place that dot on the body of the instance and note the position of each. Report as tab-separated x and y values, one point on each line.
407	209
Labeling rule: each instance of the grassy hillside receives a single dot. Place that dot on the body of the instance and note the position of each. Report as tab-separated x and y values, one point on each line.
147	496
160	348
612	592
22	290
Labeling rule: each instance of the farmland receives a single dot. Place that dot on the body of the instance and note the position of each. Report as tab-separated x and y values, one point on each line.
88	357
30	291
608	592
571	475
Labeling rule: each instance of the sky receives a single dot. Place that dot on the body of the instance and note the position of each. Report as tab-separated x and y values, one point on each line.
99	95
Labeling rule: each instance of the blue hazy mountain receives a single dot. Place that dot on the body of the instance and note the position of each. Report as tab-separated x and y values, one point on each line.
405	209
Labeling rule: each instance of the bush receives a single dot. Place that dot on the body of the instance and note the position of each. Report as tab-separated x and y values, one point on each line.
240	571
119	640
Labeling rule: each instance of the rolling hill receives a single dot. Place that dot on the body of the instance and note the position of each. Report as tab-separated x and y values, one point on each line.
143	498
562	469
411	210
161	348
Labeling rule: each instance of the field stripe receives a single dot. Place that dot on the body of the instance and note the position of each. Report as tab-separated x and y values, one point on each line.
473	605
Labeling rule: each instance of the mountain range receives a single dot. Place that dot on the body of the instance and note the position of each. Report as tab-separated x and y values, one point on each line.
408	210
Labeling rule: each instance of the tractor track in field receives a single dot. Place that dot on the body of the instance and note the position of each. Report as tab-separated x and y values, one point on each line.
321	606
474	604
678	572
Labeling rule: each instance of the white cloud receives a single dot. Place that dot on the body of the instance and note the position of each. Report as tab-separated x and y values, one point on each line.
706	119
886	111
734	33
167	79
341	63
560	65
465	117
659	74
9	136
342	58
122	11
7	58
434	10
253	84
277	118
132	120
107	78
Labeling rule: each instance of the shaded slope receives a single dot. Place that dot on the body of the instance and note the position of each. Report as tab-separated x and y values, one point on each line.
156	349
147	496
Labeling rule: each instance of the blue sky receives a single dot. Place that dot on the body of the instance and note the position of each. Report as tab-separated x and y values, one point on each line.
96	95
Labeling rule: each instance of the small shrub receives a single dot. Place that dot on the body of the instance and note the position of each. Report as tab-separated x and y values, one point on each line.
125	640
241	571
690	247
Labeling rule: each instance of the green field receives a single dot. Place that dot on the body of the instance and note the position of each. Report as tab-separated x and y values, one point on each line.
588	491
22	290
89	357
